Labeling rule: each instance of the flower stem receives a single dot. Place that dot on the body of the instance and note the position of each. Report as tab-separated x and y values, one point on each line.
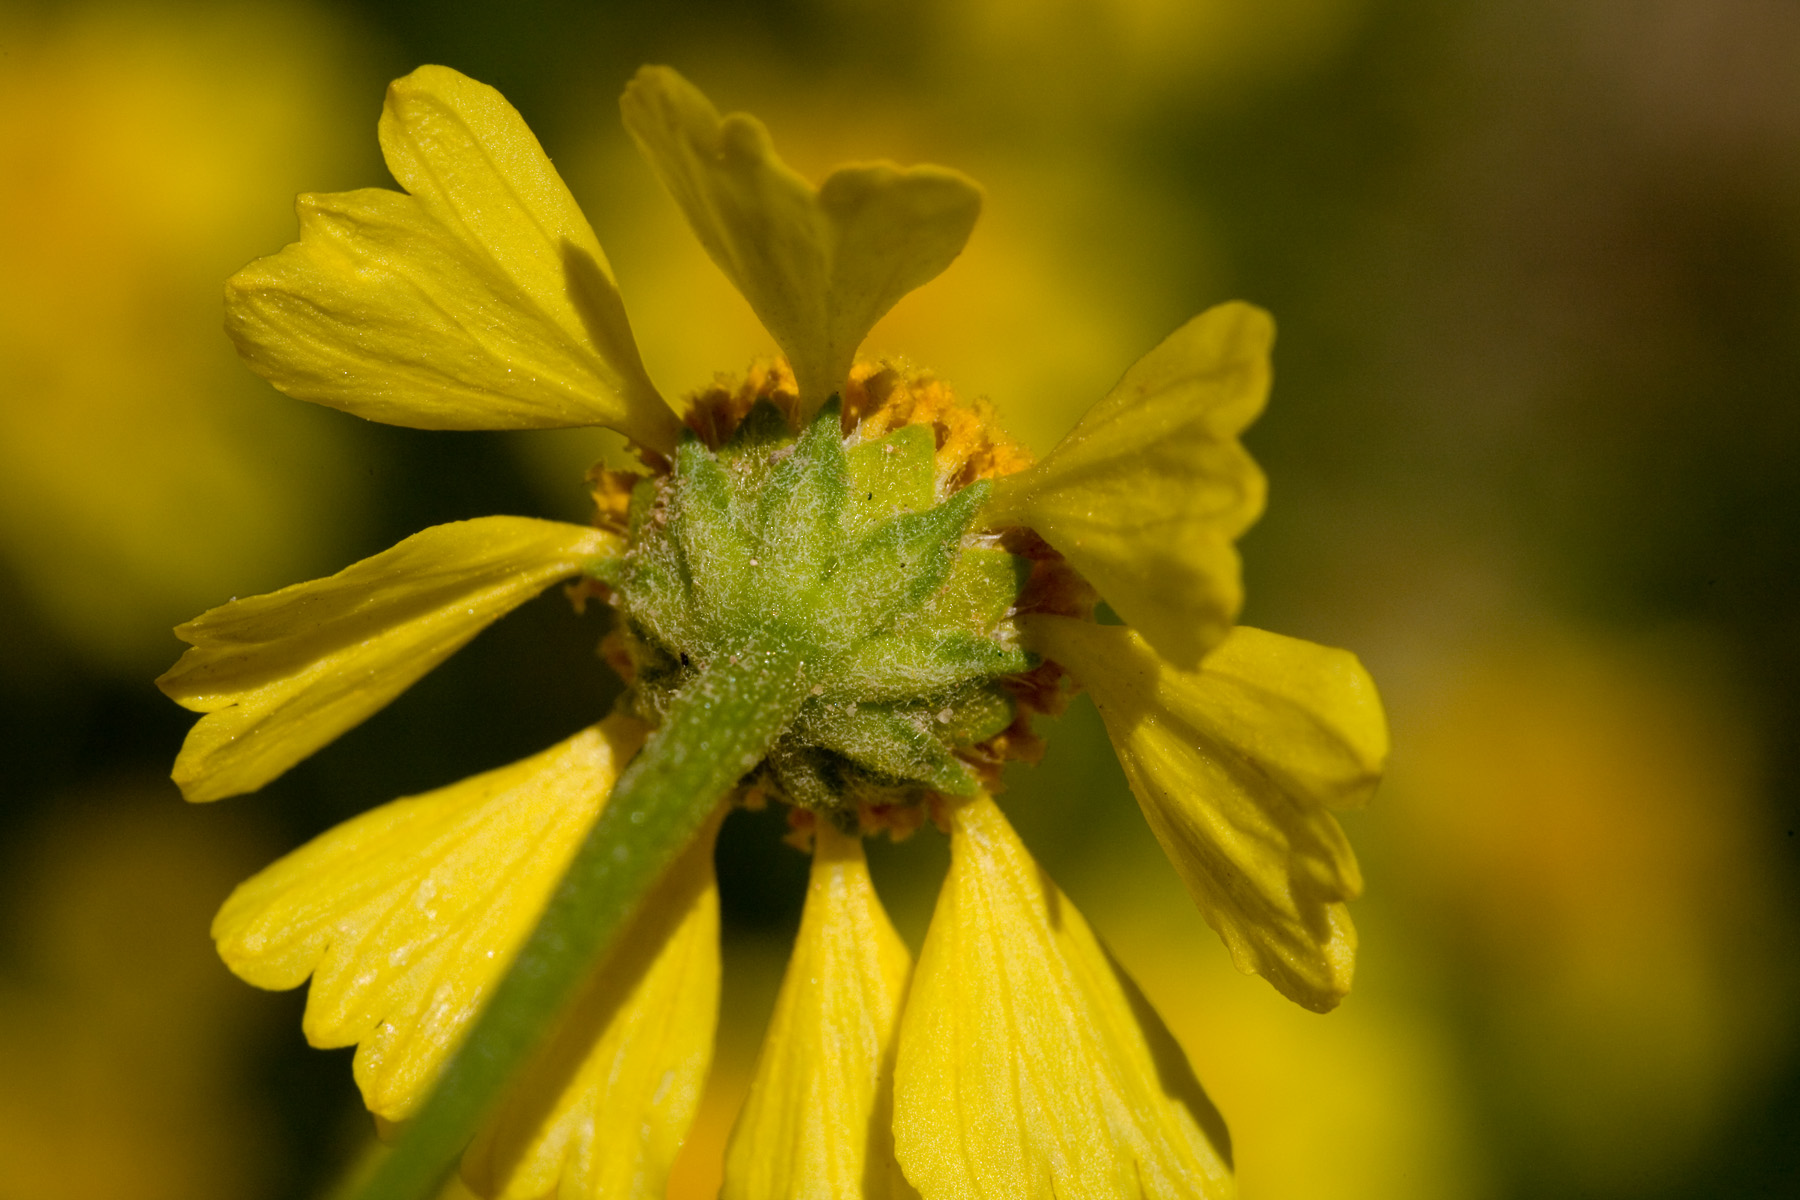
717	728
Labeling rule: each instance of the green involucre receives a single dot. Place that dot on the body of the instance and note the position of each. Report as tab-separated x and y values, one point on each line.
848	556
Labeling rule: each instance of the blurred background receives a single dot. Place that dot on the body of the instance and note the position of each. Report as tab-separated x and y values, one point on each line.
1534	449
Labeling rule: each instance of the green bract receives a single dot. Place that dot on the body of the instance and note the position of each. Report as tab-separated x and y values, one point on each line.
899	630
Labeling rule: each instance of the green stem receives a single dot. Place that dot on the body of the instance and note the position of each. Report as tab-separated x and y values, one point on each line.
718	727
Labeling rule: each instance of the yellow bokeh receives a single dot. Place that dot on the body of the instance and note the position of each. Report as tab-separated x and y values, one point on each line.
1576	824
144	474
123	1040
1362	1104
1093	61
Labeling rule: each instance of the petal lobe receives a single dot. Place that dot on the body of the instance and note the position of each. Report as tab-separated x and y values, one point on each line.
818	266
1236	767
1030	1065
478	299
406	916
1149	491
281	675
817	1123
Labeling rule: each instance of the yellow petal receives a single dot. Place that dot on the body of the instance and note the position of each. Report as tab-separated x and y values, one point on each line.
406	915
1030	1066
1236	766
603	1110
817	1124
1146	494
819	266
283	674
482	300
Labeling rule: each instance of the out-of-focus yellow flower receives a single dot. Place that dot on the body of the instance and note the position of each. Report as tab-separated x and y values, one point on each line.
1087	63
1579	818
485	287
144	151
122	1042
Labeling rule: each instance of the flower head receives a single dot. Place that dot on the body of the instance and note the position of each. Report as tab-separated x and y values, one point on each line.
834	586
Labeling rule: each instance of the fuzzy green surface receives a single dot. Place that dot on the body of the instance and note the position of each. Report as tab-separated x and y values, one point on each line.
847	555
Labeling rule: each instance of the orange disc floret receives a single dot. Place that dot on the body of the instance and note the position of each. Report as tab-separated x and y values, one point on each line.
878	398
716	411
881	397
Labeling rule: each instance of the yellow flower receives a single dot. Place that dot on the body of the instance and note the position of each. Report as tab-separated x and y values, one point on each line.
849	579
